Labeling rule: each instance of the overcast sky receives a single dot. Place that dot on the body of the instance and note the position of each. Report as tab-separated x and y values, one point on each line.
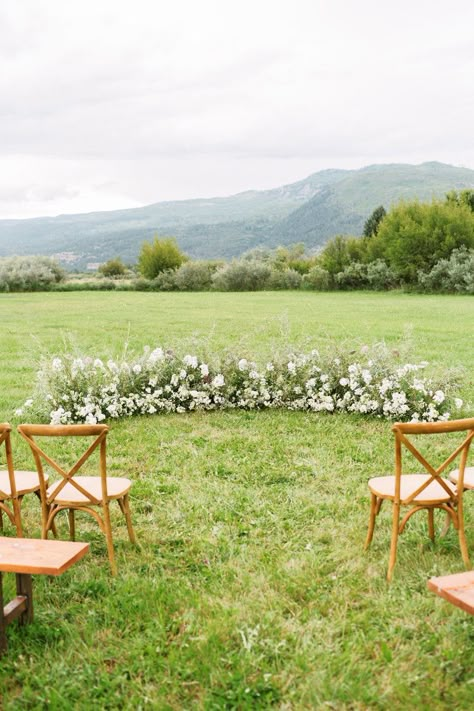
115	104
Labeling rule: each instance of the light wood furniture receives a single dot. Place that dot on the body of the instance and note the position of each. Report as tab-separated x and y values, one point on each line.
468	477
14	485
427	491
457	589
79	493
27	556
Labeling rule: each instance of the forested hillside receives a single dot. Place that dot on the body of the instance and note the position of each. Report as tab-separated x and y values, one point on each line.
311	210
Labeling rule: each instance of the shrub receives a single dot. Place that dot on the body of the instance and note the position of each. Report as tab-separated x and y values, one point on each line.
455	274
159	255
195	276
413	236
30	273
165	281
380	276
354	276
113	268
287	279
241	275
318	279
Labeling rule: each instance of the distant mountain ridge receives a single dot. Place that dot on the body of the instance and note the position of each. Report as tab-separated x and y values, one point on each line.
311	210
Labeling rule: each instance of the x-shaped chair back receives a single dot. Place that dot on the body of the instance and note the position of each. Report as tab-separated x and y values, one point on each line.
401	430
99	432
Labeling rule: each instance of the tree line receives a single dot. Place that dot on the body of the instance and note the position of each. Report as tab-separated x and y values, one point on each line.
426	246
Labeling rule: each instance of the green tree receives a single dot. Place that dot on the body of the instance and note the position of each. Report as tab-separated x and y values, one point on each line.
159	255
464	197
341	251
371	226
113	268
414	236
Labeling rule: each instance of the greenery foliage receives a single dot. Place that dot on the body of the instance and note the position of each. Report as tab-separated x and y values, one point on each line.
33	273
371	227
241	275
113	268
159	255
414	236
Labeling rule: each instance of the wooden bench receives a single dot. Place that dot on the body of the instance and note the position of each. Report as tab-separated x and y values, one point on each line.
27	557
457	589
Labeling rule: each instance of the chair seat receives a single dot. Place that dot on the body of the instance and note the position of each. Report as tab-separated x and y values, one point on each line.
26	482
468	477
116	488
384	488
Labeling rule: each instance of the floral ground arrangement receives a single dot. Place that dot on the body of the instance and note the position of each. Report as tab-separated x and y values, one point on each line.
250	588
367	381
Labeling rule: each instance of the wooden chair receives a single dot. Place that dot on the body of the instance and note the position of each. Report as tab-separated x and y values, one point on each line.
79	493
468	477
14	485
422	491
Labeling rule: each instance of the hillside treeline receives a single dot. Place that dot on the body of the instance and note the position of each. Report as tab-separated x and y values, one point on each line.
415	245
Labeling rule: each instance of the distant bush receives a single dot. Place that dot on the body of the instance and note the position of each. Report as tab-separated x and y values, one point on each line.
318	279
159	256
288	279
414	236
455	274
195	276
31	273
113	268
380	276
354	276
241	275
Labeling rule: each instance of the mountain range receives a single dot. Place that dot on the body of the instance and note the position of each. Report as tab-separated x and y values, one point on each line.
312	210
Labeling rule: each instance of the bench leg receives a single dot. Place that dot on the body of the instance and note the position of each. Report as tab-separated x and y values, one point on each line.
24	586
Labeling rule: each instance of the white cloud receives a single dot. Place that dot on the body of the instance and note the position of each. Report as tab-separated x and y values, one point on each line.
119	103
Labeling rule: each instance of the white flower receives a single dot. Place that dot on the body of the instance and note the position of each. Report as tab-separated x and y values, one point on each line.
174	379
190	361
253	375
291	367
204	370
439	397
137	368
243	364
57	364
270	367
218	381
182	374
343	382
98	364
457	402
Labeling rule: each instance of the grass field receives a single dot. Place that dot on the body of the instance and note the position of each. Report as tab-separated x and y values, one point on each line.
250	588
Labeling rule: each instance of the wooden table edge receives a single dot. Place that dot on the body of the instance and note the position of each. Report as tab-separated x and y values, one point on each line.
32	570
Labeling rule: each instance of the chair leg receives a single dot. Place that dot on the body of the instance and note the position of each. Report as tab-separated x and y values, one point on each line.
373	514
1	520
108	536
394	541
128	517
431	530
72	525
17	515
462	536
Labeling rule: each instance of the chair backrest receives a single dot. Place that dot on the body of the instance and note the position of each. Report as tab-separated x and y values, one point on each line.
98	432
403	429
5	430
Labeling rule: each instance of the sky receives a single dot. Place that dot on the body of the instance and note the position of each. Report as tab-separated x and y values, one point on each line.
114	104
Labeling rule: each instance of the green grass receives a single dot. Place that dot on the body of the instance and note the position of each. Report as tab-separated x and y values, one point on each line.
250	588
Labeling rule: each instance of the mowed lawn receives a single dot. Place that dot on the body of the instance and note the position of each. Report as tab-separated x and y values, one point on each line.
250	588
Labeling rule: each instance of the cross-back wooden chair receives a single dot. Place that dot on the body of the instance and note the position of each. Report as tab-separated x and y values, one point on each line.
14	485
427	491
79	493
